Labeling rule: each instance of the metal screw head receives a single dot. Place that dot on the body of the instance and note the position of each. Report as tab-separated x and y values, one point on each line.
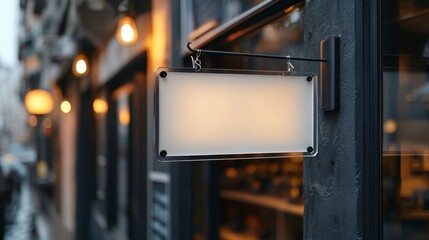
163	74
309	78
310	149
163	153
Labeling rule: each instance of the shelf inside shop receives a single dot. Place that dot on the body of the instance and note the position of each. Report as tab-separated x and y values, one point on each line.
267	201
416	214
413	19
409	14
227	234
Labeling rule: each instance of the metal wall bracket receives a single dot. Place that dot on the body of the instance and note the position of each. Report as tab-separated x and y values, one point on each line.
330	73
329	68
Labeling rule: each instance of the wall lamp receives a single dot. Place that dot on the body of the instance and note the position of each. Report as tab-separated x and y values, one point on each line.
100	106
38	102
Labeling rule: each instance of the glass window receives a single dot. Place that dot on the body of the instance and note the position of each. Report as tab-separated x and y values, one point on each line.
120	137
284	36
100	108
208	14
260	199
122	97
264	199
405	165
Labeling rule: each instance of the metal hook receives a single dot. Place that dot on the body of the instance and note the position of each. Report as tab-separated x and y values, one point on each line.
196	63
289	67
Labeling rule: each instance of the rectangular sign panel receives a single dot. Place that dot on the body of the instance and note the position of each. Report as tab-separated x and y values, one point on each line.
220	114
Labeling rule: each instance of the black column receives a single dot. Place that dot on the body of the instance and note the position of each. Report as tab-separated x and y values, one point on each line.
112	164
85	166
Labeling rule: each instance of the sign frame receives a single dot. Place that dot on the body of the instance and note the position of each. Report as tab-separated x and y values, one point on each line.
163	157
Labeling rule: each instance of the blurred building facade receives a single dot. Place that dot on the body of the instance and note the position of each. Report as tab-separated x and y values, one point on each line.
96	172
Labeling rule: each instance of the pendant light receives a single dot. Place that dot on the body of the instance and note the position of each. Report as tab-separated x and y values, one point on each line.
80	66
126	32
65	106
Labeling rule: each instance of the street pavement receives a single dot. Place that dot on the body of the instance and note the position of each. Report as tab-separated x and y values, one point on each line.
25	221
20	216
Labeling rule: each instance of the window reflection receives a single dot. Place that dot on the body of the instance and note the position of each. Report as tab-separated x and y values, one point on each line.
123	131
258	199
405	52
101	161
283	36
208	14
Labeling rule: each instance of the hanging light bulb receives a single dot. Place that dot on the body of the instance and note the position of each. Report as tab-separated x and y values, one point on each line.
126	32
80	65
65	106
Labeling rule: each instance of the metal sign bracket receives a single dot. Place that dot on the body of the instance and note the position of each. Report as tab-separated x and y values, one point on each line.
330	73
329	68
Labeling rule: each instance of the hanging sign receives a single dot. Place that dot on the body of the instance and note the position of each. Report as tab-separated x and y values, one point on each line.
230	114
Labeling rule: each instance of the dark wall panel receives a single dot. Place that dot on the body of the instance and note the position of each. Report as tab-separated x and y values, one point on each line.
332	178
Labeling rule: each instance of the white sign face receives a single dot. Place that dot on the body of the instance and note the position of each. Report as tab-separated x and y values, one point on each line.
231	114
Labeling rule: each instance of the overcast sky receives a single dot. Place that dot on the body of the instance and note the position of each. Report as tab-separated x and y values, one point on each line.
9	32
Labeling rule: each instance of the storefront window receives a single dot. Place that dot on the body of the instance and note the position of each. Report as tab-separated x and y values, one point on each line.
100	108
405	164
259	199
206	15
262	199
284	36
123	158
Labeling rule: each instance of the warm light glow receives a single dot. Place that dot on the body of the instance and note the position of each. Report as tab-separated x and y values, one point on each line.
65	106
80	66
274	168
42	169
127	31
124	116
32	121
250	169
158	41
390	126
38	102
9	158
426	163
294	192
47	123
231	172
100	106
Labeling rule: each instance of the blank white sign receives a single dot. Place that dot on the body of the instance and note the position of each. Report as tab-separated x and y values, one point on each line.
219	115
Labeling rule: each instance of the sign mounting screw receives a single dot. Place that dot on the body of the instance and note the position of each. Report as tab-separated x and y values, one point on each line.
163	153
